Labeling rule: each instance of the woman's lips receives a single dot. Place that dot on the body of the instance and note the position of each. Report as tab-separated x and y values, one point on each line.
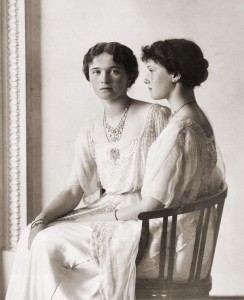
105	87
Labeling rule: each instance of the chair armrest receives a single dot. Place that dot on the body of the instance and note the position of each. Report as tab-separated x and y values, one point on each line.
165	212
183	209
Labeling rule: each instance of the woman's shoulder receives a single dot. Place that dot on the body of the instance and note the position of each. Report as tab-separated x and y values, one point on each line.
179	135
139	106
192	126
144	105
86	129
87	125
156	117
152	110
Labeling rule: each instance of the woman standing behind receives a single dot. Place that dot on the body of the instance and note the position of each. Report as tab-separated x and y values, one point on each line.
64	260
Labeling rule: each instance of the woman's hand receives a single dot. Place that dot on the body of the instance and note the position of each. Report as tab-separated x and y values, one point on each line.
65	202
33	232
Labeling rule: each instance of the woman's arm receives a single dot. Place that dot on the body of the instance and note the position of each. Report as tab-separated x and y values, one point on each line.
65	202
127	213
131	212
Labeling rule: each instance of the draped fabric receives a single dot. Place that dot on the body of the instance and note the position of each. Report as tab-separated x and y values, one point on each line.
73	259
186	165
182	167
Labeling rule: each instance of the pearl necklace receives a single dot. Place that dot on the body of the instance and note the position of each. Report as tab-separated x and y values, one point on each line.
175	112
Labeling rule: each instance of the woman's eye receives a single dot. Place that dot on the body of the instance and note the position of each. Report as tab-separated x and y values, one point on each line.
95	72
115	72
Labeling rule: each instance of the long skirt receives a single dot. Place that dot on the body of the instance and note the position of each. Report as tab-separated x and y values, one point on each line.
61	265
58	266
76	260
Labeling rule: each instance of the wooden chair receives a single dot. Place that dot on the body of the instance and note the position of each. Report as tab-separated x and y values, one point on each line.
164	286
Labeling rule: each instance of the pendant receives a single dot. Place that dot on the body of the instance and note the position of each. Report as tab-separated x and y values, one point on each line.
114	154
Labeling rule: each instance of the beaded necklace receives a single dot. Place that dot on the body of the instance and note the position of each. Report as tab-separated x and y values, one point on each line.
114	134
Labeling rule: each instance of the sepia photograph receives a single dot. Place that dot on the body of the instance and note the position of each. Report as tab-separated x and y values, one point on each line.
121	142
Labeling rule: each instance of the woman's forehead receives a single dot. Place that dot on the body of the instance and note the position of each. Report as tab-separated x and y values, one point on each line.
103	60
152	63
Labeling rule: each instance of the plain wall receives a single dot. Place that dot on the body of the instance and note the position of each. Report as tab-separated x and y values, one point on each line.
65	99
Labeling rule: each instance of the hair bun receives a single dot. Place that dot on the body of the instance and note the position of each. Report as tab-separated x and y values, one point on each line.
205	64
202	72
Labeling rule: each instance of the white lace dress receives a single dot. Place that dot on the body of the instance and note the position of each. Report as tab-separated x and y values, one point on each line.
183	166
79	260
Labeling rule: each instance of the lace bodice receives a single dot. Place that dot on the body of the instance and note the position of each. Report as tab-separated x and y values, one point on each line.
119	166
207	153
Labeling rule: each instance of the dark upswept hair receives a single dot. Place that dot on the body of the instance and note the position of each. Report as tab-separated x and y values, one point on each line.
122	55
179	56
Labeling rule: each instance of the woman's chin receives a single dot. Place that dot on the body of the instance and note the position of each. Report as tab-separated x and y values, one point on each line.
156	97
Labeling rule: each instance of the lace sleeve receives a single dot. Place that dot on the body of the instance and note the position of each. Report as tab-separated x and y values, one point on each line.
157	120
161	119
83	167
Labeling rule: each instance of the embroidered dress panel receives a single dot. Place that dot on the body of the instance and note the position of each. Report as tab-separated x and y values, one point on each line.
125	173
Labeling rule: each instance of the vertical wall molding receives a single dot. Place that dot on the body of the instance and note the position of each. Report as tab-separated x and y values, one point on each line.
13	133
16	100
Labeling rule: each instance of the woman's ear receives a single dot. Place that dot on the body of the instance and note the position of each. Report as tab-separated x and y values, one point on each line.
176	77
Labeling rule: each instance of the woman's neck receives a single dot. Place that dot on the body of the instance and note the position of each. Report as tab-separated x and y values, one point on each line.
181	95
114	108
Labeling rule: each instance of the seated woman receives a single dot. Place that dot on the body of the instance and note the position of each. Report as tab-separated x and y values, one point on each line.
182	167
65	260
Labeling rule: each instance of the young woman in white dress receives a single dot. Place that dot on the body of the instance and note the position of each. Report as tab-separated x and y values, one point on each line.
76	255
183	164
182	167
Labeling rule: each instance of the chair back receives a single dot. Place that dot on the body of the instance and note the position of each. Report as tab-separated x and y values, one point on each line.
164	285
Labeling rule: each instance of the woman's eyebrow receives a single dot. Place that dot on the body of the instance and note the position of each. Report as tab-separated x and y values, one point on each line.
117	67
112	67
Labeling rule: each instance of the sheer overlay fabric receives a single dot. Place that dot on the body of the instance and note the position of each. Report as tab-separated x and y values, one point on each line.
182	167
73	259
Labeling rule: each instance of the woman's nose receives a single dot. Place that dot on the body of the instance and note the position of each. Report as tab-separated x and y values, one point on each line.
105	78
146	80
